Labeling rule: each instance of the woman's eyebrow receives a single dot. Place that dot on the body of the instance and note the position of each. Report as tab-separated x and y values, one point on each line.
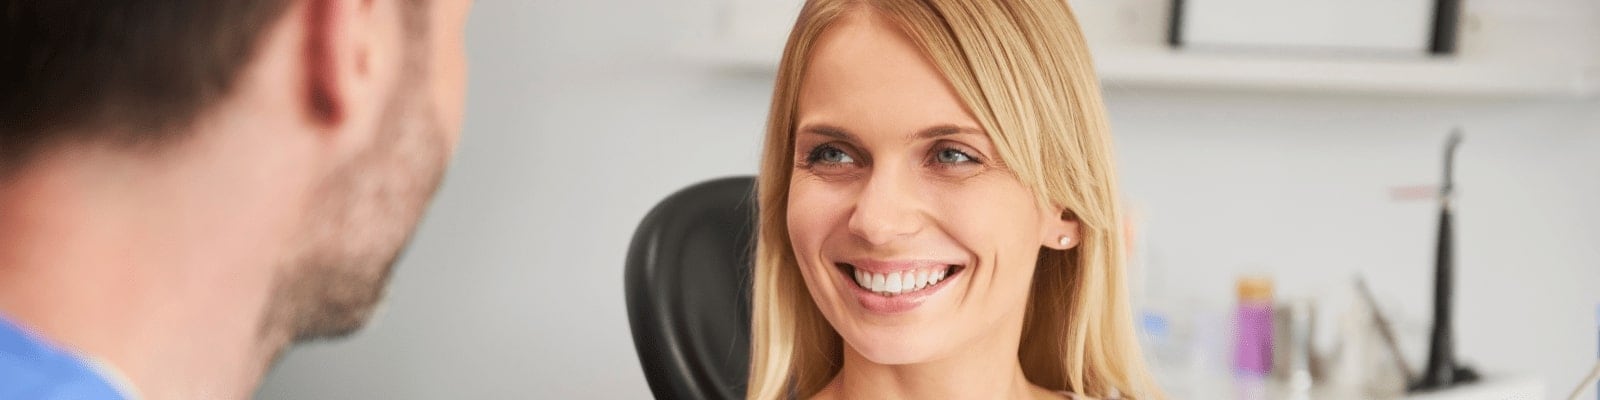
945	130
830	131
926	133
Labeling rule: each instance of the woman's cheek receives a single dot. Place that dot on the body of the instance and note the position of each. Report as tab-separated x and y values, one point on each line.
985	214
811	210
969	205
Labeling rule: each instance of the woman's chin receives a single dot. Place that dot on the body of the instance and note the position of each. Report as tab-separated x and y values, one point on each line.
891	349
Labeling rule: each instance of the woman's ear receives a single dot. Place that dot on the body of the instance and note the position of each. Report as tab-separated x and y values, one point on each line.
1060	230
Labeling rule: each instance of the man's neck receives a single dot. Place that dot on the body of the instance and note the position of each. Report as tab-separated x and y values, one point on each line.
142	269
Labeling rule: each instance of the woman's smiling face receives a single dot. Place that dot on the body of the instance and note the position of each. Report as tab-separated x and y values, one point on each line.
914	240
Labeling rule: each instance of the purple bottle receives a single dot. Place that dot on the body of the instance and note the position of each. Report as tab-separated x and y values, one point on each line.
1252	346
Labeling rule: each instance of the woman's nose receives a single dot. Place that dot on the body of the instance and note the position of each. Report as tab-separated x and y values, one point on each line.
887	209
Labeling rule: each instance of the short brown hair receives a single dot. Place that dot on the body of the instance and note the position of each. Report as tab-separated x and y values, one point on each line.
72	68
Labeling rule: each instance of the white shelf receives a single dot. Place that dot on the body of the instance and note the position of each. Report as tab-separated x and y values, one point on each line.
1497	389
1494	388
1160	67
1166	68
1510	50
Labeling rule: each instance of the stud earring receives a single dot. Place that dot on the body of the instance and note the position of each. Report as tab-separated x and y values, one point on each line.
1065	240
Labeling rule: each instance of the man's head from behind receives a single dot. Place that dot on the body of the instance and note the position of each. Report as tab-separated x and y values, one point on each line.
314	130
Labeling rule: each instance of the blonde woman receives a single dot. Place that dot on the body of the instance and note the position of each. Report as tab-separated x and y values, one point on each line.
939	215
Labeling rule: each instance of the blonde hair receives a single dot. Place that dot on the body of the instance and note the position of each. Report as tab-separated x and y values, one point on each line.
1023	68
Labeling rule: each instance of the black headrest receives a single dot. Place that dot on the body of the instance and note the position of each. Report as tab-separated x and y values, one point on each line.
688	283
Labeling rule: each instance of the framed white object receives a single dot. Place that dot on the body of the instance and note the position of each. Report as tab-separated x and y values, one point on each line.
1334	26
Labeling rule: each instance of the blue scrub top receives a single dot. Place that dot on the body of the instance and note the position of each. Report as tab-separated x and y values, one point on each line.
34	370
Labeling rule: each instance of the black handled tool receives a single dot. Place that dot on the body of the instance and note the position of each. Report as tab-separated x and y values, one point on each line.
1441	370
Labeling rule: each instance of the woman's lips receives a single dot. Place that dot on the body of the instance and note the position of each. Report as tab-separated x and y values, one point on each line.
897	286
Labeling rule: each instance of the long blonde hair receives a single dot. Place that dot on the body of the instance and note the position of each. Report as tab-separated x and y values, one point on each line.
1023	68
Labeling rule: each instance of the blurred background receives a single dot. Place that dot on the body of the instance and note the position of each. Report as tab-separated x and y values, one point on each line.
1307	161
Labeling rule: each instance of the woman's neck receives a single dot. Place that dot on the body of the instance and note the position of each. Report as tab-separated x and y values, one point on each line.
985	371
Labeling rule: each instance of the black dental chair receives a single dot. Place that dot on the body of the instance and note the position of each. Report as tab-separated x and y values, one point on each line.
688	282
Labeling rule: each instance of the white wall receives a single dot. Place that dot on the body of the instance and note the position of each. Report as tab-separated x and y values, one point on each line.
1298	187
580	117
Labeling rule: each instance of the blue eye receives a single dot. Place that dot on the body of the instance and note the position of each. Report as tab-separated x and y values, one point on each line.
952	156
831	155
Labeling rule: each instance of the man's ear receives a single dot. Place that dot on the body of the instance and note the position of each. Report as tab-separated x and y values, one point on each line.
1060	230
337	48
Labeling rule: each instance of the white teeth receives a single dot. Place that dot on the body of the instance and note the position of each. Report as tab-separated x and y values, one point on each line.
899	282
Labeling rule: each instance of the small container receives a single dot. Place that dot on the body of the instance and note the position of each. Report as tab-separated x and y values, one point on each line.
1252	346
1291	346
